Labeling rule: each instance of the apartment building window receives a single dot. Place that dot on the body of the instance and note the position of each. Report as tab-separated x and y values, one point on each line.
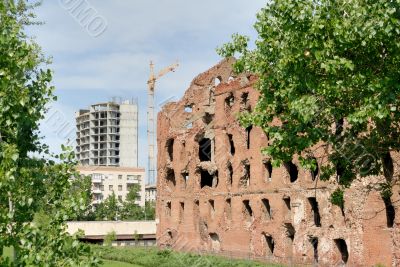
120	198
97	176
135	178
119	177
102	187
120	187
110	187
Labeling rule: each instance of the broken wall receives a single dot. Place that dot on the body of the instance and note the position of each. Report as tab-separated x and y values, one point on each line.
217	192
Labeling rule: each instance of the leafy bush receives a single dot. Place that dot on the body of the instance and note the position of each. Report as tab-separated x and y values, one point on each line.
109	238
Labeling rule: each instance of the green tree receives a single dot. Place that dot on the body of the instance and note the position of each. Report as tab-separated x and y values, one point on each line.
133	193
328	77
81	188
109	209
109	238
131	210
150	210
31	185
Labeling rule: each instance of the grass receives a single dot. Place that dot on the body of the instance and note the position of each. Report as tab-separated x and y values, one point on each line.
150	257
107	263
7	252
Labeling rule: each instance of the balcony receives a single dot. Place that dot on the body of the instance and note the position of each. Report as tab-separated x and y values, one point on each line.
96	191
133	179
97	179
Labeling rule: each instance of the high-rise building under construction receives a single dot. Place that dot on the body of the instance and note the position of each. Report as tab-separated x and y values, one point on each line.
107	134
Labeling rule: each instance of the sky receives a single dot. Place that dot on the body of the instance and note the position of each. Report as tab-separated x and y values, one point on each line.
107	53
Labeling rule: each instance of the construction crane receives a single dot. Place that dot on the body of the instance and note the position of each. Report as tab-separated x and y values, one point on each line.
151	125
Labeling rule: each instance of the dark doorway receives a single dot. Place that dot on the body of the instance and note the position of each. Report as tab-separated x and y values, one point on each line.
390	212
314	243
342	247
231	144
270	244
315	210
205	149
206	179
292	170
170	149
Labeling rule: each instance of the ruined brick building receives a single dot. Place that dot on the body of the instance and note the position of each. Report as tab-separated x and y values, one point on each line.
217	192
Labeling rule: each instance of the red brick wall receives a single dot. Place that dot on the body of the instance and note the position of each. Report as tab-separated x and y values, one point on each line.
368	239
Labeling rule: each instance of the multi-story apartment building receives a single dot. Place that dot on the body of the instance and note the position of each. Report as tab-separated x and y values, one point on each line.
107	148
107	179
151	192
107	134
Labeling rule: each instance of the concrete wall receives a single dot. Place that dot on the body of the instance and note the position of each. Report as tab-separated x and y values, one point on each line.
235	202
101	228
128	135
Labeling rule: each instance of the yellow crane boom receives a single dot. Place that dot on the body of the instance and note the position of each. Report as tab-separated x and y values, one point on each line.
151	117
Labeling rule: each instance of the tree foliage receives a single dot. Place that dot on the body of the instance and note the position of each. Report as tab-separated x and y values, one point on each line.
329	78
81	188
114	209
108	210
31	185
131	210
150	210
110	238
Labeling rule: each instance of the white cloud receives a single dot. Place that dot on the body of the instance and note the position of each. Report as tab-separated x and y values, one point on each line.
91	69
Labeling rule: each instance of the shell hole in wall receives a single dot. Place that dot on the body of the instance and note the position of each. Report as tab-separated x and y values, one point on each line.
229	101
168	208
314	173
390	212
181	211
217	80
245	179
215	242
170	148
268	170
231	144
206	179
207	118
267	209
292	170
229	174
170	177
387	163
247	210
205	149
189	108
342	248
290	231
248	135
185	178
270	244
315	211
228	209
314	244
211	204
287	203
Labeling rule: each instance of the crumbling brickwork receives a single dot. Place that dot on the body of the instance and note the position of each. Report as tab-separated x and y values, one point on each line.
218	192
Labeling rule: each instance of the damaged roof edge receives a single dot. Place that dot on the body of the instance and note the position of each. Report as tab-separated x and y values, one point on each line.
222	70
